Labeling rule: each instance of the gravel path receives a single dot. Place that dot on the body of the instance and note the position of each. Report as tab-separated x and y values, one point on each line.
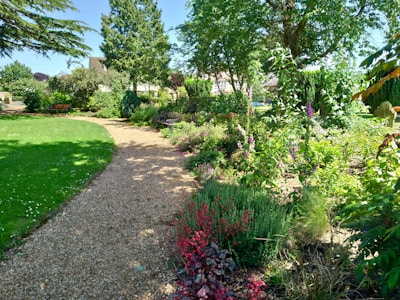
109	241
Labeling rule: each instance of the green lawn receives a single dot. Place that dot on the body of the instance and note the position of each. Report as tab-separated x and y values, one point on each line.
44	161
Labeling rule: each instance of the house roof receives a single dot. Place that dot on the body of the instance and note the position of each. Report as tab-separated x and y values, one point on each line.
96	63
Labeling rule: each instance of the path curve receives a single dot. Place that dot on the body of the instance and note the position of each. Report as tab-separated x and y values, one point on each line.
109	242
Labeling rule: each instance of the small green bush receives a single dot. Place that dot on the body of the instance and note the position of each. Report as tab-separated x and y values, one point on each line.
313	219
189	137
144	115
105	104
213	157
60	98
129	102
32	100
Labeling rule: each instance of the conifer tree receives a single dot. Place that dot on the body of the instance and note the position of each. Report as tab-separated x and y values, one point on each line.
26	24
135	41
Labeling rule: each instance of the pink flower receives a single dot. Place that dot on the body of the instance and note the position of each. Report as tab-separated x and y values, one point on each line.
202	293
250	93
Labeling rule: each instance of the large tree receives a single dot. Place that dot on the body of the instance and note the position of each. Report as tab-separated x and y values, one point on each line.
15	78
135	41
311	29
314	29
26	24
223	37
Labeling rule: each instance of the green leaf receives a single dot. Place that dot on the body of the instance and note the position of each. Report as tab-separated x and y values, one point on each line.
397	185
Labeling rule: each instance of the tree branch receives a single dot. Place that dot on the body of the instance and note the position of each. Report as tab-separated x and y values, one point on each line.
273	4
362	8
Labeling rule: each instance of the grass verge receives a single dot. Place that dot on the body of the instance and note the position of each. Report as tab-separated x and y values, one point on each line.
44	162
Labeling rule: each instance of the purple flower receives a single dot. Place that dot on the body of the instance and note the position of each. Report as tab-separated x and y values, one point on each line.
309	110
251	139
240	146
292	152
251	142
246	154
250	93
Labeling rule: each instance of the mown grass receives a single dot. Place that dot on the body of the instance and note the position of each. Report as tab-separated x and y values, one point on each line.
44	162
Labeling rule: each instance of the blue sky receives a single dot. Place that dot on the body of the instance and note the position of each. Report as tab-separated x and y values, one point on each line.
173	14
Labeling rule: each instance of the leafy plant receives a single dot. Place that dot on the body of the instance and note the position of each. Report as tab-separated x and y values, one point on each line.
198	88
207	269
61	98
144	115
249	223
212	157
208	273
384	62
189	137
129	103
32	100
231	103
375	220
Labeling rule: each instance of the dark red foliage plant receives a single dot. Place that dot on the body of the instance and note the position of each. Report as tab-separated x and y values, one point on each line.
207	270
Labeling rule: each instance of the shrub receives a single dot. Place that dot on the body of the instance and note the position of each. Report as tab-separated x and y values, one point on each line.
212	157
248	223
231	103
32	100
61	98
189	137
105	104
205	164
144	115
197	88
375	220
198	104
129	102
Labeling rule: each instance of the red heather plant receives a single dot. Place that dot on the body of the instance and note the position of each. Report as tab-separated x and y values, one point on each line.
219	220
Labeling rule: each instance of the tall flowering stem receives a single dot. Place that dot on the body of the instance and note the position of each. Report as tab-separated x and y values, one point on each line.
249	108
309	110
